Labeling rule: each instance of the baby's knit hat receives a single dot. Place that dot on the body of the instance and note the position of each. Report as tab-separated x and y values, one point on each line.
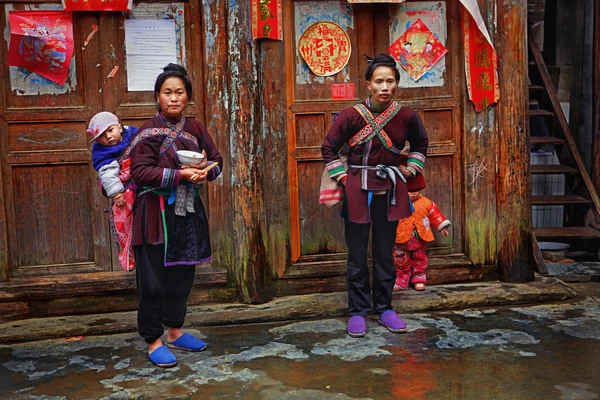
101	122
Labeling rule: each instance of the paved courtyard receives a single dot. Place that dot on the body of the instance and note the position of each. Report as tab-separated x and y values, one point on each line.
549	351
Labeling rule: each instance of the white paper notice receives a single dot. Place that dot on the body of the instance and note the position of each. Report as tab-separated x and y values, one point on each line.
150	46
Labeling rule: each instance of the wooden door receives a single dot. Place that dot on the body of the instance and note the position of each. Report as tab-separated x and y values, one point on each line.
317	232
53	207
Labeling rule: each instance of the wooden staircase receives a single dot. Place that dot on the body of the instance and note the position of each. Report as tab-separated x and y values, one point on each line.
580	194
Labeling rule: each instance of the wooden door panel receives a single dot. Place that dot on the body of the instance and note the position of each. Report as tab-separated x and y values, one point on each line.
320	233
439	124
440	181
53	227
43	137
54	210
316	231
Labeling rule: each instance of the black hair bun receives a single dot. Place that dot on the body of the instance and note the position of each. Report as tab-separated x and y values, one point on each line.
384	59
175	68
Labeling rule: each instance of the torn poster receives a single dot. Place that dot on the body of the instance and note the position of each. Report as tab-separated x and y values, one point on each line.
325	47
417	50
150	46
97	5
42	42
481	61
267	19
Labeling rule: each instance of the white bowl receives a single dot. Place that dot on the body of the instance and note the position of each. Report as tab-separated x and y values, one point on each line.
553	246
188	157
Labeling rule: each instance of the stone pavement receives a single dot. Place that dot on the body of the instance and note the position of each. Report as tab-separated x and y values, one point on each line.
509	351
443	297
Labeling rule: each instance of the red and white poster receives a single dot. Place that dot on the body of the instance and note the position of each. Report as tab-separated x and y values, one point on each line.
97	5
42	42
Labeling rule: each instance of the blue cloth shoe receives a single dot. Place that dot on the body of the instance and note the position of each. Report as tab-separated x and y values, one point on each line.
162	357
188	343
357	326
392	321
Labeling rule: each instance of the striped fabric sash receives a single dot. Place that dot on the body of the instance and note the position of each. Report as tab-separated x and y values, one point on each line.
375	126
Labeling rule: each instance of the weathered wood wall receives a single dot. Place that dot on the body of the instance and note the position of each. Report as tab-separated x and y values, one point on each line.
216	118
513	184
596	98
275	156
246	151
480	162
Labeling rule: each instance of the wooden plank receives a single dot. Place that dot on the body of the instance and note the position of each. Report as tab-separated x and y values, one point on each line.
292	287
540	264
540	113
108	302
274	118
216	117
553	169
544	140
250	262
288	40
536	88
565	126
58	286
573	232
568	199
4	169
480	146
596	99
336	267
513	183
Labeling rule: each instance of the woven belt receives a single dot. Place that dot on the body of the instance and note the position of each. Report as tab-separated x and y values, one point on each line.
383	172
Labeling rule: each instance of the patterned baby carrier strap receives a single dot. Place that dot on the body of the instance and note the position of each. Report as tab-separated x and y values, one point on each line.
171	133
375	126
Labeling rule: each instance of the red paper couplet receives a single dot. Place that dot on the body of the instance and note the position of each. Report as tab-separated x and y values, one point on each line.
342	91
267	19
42	42
97	5
481	65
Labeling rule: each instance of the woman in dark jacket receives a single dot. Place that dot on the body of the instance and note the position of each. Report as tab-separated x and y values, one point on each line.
372	134
170	233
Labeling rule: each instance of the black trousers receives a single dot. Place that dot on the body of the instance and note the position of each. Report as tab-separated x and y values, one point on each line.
384	275
162	291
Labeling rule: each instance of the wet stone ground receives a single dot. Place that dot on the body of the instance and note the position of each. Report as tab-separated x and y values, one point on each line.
538	352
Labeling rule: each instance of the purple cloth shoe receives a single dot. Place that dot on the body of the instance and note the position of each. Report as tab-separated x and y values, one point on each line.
392	321
162	357
357	326
188	343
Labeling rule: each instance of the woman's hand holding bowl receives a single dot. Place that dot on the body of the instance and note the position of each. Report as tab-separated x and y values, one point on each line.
203	164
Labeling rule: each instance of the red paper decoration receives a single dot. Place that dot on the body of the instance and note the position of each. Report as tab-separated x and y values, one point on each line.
481	65
42	42
325	47
267	19
417	50
97	5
